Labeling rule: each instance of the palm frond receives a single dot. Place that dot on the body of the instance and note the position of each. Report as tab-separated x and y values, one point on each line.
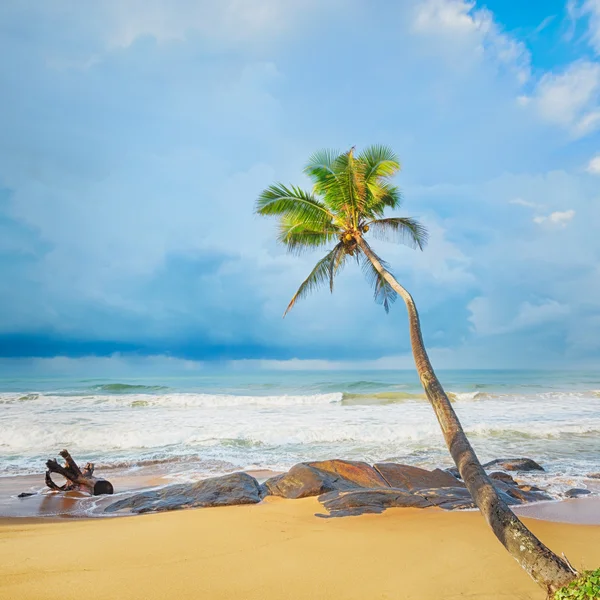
400	229
292	202
382	195
324	272
383	292
349	199
321	169
300	236
381	162
328	170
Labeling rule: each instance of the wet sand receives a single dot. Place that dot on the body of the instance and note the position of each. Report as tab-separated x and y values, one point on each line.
582	511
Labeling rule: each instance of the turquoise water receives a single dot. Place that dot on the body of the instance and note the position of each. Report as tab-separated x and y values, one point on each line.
208	423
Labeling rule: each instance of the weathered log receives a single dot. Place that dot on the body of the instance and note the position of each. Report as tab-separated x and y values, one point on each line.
76	478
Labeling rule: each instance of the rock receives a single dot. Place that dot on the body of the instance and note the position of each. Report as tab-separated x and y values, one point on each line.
26	494
236	488
360	501
448	498
529	488
593	475
514	464
316	478
519	494
454	472
500	476
414	478
576	492
357	472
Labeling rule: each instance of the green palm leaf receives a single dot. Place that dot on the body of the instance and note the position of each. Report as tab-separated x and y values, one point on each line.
324	271
380	162
300	236
400	229
294	203
382	291
350	195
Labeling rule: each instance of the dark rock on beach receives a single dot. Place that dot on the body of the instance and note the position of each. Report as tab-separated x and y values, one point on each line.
501	476
514	464
360	501
236	488
412	478
576	493
454	472
448	498
316	478
520	494
344	488
593	475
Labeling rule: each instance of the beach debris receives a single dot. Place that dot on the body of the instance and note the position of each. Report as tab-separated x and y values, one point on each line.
514	464
76	478
26	494
235	488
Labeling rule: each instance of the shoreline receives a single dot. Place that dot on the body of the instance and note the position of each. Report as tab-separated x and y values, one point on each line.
51	506
274	549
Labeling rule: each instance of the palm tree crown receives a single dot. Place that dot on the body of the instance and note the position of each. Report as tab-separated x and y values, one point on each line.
349	197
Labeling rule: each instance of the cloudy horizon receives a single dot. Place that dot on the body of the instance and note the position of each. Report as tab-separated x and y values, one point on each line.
137	136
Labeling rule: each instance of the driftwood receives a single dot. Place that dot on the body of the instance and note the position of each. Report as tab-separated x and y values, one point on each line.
76	478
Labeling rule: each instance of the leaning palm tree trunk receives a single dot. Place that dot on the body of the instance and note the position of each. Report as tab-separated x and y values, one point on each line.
545	568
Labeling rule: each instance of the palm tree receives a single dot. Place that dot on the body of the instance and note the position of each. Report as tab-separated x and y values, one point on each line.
348	201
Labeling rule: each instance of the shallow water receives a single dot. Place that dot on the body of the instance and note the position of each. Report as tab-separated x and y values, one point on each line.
209	424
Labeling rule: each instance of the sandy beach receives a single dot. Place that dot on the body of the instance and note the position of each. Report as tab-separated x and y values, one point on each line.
276	549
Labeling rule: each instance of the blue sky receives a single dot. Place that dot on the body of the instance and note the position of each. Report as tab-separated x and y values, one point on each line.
136	136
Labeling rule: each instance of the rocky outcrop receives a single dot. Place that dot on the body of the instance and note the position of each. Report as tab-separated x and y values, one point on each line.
514	464
576	493
316	478
360	501
521	494
236	488
449	498
359	473
344	488
501	476
414	478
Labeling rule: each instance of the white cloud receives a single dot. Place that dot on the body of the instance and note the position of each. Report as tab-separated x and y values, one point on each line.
594	165
591	8
570	99
521	202
464	27
233	20
487	319
535	314
559	218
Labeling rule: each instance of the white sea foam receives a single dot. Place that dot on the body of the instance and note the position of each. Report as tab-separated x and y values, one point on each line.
561	429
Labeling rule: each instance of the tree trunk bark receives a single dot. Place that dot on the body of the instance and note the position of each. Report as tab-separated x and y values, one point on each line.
76	478
545	568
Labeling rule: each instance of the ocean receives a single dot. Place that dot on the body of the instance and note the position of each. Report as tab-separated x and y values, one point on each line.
208	424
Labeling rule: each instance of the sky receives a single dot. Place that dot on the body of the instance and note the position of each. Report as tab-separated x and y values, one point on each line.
136	136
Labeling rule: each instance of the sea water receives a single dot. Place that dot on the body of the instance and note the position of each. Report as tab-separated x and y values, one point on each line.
208	424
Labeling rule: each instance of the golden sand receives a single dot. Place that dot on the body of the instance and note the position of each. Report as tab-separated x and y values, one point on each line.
274	550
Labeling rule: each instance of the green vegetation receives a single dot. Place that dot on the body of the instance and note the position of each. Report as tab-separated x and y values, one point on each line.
349	197
585	587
